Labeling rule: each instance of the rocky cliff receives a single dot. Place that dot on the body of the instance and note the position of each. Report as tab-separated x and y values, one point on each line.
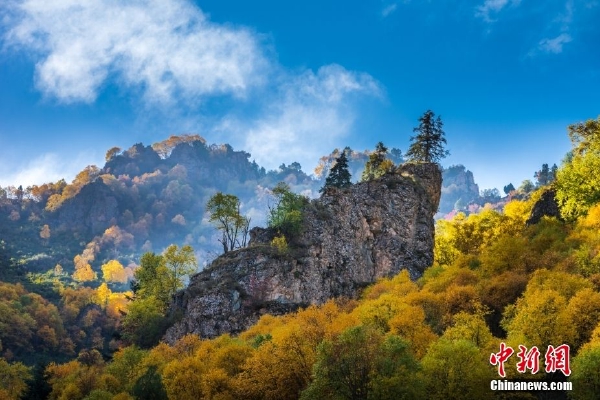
459	189
350	238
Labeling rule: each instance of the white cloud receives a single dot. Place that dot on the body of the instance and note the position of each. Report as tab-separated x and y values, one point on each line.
490	8
169	51
48	167
306	118
163	47
555	45
387	10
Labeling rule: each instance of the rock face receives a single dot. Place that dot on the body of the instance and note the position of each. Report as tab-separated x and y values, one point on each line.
349	239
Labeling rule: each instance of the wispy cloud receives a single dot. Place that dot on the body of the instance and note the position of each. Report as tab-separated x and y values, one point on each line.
388	9
555	45
48	167
163	47
168	52
307	117
490	8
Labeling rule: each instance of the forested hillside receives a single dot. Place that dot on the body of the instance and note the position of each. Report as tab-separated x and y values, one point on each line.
497	282
143	199
74	330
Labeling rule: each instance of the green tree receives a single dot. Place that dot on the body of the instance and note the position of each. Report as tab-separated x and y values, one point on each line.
553	173
585	136
456	369
378	163
362	363
428	144
508	188
224	212
151	278
526	186
578	185
145	322
286	214
181	264
585	377
577	181
160	276
339	176
149	386
490	195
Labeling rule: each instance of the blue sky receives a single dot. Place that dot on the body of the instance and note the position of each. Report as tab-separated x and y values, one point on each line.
290	81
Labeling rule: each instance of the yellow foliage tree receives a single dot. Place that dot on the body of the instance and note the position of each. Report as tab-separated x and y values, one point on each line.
13	379
103	294
113	271
84	273
410	325
540	318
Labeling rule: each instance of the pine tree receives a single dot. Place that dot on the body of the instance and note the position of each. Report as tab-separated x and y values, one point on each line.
428	144
543	176
339	175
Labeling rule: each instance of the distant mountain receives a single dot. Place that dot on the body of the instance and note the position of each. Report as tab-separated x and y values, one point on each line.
147	197
458	190
143	199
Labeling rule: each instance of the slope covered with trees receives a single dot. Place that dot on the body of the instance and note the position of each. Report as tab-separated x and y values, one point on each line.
496	283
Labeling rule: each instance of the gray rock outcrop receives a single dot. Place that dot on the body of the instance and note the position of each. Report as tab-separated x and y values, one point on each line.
350	238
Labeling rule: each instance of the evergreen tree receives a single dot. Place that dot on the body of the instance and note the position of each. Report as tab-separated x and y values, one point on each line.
509	188
428	144
339	175
543	176
553	172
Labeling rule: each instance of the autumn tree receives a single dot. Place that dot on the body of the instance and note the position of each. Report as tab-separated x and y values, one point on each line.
113	271
225	213
378	163
111	153
103	295
83	270
164	148
13	379
428	144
